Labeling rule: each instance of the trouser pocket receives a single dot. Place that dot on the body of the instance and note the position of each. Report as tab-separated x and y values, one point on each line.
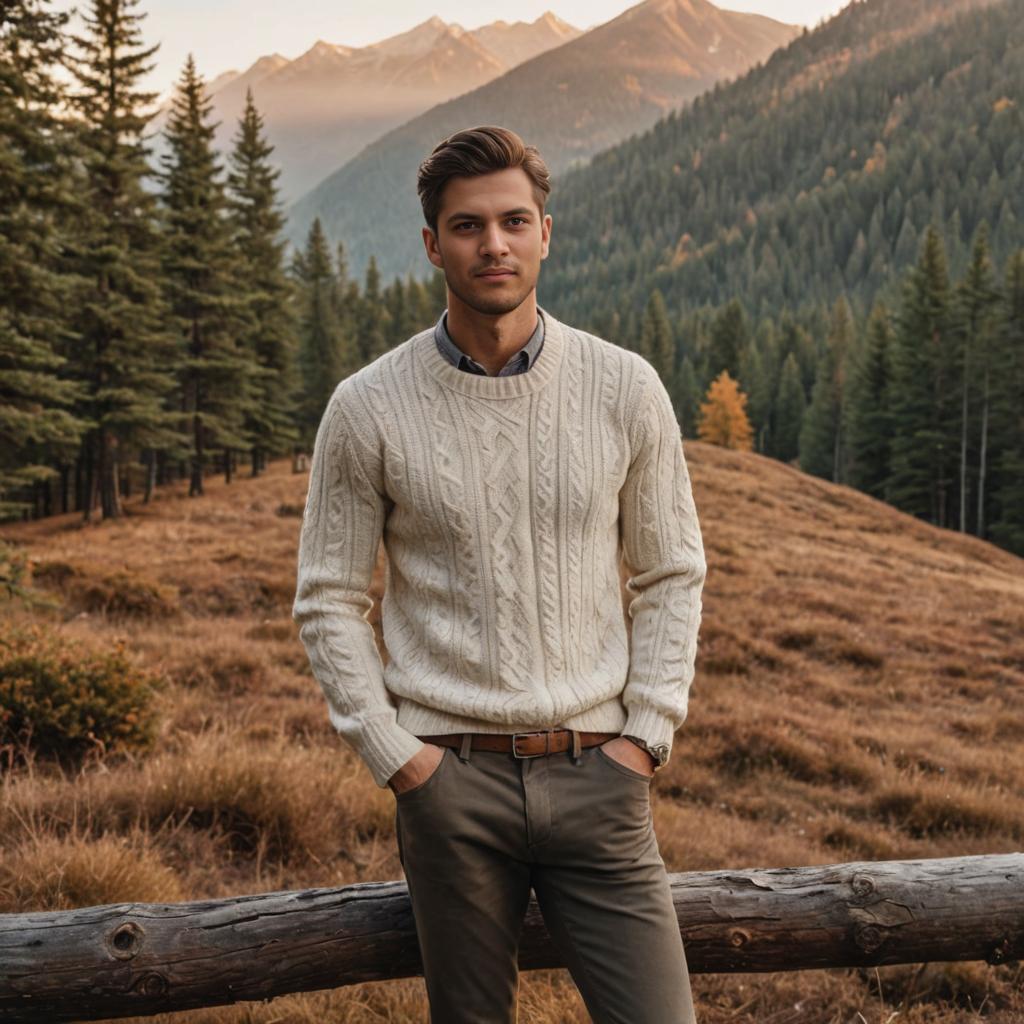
622	768
428	782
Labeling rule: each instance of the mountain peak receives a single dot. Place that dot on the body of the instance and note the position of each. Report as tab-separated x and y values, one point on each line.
682	8
271	60
324	47
552	20
416	41
434	23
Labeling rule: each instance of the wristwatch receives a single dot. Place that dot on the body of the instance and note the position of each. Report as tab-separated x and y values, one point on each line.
658	752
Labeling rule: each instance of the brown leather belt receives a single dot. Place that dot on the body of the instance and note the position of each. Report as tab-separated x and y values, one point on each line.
523	744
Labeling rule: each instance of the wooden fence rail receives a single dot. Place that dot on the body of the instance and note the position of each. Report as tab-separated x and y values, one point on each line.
127	959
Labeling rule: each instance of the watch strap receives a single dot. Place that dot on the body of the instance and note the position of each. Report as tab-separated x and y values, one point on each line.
659	752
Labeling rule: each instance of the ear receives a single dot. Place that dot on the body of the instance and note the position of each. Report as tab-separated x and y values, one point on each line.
545	236
433	252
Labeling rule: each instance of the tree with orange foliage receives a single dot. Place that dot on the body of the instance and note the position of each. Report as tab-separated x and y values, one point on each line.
723	417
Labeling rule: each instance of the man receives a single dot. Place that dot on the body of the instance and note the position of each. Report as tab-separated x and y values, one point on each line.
508	461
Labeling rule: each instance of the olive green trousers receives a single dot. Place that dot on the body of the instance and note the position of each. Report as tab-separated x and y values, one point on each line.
479	833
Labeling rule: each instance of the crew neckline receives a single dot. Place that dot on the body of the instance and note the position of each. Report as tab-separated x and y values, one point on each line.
541	372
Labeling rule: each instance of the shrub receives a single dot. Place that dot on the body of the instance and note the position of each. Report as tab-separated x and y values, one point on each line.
60	702
116	594
14	572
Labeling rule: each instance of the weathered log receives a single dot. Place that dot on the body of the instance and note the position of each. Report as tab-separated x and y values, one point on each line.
130	959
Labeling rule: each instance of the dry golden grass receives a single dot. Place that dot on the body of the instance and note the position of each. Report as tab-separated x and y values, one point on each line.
859	695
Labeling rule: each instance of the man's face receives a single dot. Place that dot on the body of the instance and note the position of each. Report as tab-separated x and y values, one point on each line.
490	223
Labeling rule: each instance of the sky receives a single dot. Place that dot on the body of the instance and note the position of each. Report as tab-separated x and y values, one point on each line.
226	35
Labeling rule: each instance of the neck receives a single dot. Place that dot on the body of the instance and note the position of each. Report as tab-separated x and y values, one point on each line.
491	339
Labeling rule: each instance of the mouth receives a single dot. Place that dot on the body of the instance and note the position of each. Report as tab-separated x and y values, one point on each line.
497	274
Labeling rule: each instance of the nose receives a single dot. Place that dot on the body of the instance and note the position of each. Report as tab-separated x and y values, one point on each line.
492	242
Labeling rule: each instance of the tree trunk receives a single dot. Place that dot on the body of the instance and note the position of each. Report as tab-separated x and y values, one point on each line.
130	959
195	487
963	430
150	463
92	473
110	492
982	463
65	495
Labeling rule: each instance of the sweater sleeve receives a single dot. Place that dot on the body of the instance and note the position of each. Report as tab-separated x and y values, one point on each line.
664	554
341	531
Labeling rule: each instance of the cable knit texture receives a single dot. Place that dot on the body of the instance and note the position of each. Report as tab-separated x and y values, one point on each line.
505	505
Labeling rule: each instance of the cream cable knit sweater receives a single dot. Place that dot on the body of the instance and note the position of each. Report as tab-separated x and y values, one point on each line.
505	504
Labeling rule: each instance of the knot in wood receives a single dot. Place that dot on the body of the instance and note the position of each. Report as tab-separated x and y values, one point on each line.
126	940
152	984
738	938
868	937
862	885
1000	953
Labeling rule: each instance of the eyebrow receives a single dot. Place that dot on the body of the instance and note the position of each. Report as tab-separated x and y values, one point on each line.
472	216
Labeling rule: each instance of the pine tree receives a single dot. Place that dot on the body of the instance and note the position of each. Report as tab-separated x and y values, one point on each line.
37	196
297	266
795	338
689	394
395	301
417	305
922	395
347	306
656	344
723	417
757	381
323	360
341	272
125	354
870	417
203	282
975	305
728	339
1007	523
270	333
372	320
790	405
822	438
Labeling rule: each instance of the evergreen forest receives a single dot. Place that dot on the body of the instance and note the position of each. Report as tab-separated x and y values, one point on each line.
825	268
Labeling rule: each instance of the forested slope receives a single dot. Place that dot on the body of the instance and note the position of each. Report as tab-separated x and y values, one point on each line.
812	176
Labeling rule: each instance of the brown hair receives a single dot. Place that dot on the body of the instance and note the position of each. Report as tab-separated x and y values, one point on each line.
475	151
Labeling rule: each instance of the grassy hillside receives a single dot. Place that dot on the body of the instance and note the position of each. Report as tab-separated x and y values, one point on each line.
859	694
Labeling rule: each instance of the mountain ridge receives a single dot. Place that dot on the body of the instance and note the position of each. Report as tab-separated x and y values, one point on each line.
570	101
321	107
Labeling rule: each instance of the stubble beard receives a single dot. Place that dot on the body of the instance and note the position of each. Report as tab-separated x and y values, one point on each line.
492	306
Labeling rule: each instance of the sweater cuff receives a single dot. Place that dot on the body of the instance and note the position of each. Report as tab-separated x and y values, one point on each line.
385	746
650	725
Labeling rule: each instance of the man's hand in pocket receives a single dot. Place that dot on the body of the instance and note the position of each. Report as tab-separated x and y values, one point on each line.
628	753
417	769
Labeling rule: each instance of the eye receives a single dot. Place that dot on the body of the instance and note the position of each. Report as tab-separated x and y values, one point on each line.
520	219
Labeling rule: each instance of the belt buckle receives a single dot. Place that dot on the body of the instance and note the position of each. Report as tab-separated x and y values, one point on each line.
537	732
